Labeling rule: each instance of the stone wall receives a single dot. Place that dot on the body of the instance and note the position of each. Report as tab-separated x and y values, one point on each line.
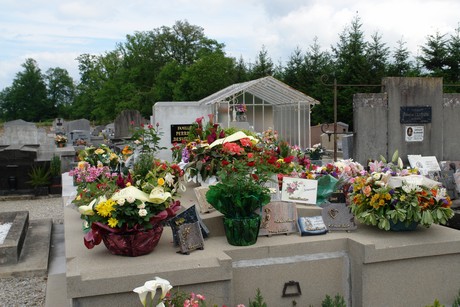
379	130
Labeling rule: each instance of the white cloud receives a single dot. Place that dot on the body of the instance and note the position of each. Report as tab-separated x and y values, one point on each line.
54	32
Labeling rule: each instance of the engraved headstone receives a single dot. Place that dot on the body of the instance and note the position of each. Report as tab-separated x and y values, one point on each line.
20	132
187	216
78	124
125	122
79	137
278	217
337	216
190	237
311	225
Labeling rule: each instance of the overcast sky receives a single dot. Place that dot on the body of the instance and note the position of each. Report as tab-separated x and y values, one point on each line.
55	32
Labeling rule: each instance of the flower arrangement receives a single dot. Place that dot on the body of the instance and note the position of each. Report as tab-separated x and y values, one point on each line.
199	137
100	156
60	139
204	160
132	203
316	152
241	190
240	109
388	194
92	182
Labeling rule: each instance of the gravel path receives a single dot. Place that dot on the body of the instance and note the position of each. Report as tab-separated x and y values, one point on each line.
23	291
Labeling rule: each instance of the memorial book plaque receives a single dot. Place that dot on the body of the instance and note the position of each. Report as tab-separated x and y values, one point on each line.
311	225
278	217
190	237
337	216
187	216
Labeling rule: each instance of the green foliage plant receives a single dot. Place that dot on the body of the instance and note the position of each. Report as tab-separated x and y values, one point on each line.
55	166
146	138
240	190
258	300
435	304
456	302
39	176
338	301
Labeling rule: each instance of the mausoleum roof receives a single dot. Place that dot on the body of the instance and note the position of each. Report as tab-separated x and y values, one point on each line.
267	88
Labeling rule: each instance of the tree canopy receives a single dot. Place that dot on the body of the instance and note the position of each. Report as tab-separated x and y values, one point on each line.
180	63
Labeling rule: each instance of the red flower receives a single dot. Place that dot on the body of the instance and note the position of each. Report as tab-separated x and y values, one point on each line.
272	160
225	162
288	159
199	121
245	142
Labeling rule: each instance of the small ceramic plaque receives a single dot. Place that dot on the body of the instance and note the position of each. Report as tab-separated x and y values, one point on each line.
190	237
311	225
338	216
200	193
278	217
299	190
187	216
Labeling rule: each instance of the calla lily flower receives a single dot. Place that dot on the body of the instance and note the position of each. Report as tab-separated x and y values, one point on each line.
158	195
86	210
152	286
158	282
142	291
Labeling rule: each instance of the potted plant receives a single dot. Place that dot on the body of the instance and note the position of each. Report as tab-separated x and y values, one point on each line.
316	153
126	211
55	172
240	191
393	198
39	179
60	140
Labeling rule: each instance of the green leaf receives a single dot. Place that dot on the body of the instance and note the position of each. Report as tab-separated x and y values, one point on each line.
395	156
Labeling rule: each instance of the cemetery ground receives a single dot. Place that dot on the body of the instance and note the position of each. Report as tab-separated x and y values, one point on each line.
24	284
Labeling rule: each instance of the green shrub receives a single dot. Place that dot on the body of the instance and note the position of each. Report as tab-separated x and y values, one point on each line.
456	302
259	300
435	304
55	166
338	301
39	176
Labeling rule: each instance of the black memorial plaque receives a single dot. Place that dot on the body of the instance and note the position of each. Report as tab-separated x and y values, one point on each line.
415	115
179	133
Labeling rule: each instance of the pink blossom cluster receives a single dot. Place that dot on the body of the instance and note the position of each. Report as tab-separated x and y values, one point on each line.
87	173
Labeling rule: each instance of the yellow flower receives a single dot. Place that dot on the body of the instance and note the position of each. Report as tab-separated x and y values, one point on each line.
113	156
81	165
105	208
99	151
161	181
112	222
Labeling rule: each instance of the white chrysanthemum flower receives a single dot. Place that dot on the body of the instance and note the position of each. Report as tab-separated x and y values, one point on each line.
121	201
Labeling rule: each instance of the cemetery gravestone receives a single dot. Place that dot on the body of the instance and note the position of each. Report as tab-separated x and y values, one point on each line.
125	121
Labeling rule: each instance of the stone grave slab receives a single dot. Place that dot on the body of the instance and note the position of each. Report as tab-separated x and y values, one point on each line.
11	249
